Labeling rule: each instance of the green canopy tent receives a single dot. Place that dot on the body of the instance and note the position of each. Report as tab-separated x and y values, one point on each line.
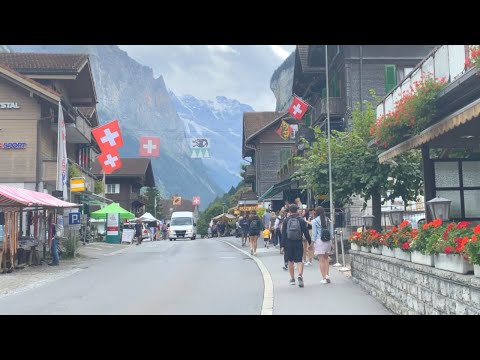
113	208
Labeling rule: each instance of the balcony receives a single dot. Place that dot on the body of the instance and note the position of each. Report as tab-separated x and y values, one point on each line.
445	61
135	196
250	173
78	132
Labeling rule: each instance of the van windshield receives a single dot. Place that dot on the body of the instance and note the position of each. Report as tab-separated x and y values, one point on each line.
181	221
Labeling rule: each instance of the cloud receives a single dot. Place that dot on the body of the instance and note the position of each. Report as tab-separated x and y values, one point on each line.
240	72
281	52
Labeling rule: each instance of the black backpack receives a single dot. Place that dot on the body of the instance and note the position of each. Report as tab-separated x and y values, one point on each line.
326	236
254	225
294	229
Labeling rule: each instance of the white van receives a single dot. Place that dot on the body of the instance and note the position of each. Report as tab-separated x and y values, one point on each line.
182	225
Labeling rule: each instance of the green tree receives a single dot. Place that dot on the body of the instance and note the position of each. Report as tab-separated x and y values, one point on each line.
355	166
153	197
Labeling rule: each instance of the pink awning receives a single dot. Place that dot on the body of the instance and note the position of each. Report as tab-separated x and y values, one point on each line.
16	197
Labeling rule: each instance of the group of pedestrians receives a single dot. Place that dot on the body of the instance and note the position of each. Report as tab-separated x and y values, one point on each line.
290	230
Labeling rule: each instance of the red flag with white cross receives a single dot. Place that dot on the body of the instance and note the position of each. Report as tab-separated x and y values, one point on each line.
108	136
196	200
150	146
298	108
110	161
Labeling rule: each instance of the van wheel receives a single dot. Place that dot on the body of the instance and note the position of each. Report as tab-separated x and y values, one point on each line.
193	238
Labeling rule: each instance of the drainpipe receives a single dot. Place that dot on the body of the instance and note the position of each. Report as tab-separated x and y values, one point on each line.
361	77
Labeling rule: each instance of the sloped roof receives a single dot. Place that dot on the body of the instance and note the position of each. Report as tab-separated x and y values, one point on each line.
254	121
43	63
130	166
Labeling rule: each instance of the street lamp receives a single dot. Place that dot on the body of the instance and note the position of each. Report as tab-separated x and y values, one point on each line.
440	208
368	221
395	216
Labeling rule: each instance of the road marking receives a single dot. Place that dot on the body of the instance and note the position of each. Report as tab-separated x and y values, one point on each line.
227	257
115	252
267	306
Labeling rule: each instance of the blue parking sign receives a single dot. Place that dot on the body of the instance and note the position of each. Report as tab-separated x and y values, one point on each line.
74	218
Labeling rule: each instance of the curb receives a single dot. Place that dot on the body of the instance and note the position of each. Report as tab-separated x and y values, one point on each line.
267	306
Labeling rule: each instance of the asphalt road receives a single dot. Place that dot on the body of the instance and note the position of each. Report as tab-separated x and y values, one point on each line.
203	276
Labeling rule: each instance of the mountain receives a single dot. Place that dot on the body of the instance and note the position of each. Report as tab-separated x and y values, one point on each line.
281	83
220	121
128	91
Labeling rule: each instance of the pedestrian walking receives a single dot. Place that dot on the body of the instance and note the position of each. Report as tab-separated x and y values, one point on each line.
307	249
255	226
322	245
266	237
57	230
293	228
138	232
244	226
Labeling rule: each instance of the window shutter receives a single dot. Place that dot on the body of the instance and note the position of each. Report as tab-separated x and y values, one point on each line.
284	155
390	77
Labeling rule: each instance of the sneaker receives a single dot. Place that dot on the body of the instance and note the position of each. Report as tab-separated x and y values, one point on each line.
254	254
285	267
308	263
251	251
292	282
300	281
323	281
328	279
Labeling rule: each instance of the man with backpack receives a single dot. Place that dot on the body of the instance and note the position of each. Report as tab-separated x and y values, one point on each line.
244	226
255	226
291	242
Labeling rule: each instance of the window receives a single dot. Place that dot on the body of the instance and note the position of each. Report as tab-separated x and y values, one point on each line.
113	189
457	180
285	154
402	73
390	77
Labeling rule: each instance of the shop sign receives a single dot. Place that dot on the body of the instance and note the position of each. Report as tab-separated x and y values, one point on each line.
9	105
13	145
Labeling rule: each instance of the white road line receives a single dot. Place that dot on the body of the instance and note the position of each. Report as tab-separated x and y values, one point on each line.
115	252
267	306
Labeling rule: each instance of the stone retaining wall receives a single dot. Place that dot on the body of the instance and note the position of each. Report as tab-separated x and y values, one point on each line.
408	288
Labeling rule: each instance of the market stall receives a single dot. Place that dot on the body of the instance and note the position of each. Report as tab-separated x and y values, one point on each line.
13	201
112	215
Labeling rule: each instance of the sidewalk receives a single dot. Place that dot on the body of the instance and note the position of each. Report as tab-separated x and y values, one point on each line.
341	297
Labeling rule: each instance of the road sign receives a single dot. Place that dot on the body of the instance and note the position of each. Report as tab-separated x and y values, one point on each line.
74	218
77	184
177	200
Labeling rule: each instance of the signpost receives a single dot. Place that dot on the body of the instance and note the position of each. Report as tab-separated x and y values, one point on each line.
113	225
77	184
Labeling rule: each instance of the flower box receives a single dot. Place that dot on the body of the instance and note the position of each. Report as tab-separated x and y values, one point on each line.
388	252
365	249
355	247
418	258
476	270
376	250
452	262
402	255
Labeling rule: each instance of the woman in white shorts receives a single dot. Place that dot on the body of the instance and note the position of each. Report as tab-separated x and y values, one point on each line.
321	248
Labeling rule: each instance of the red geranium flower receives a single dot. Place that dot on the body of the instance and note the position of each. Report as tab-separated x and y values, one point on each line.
448	249
476	229
405	245
404	223
463	224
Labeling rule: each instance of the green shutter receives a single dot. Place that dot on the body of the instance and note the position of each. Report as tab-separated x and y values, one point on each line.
390	77
308	118
284	155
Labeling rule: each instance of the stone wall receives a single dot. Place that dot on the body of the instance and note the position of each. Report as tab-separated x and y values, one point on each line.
414	289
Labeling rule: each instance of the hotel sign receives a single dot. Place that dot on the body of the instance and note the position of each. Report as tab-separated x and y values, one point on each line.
9	105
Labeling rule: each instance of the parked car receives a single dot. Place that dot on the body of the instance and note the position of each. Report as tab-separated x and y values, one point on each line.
145	234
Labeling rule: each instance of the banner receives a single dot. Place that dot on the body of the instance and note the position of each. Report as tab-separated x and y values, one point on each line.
62	161
108	136
112	224
199	147
284	130
150	146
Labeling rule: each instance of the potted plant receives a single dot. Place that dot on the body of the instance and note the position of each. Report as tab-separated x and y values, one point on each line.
402	239
355	241
448	249
388	243
365	241
418	245
472	251
374	240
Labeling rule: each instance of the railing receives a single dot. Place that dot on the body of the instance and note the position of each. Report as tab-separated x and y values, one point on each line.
337	107
445	61
83	127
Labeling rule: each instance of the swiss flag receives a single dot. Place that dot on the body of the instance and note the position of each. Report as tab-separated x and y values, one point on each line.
108	136
150	146
196	200
110	161
298	108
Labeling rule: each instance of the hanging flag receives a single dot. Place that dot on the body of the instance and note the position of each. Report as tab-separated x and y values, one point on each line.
62	161
284	130
298	108
196	200
110	161
150	146
177	200
200	147
108	136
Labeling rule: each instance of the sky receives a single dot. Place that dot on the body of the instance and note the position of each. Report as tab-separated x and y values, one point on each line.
240	72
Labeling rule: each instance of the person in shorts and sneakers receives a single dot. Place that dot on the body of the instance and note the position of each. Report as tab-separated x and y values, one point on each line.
322	246
255	227
244	225
292	229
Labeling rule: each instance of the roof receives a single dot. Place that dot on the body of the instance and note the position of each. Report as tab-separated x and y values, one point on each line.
87	111
17	197
130	167
43	63
32	84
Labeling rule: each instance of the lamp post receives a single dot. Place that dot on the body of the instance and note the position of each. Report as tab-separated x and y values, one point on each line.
440	208
395	216
368	221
